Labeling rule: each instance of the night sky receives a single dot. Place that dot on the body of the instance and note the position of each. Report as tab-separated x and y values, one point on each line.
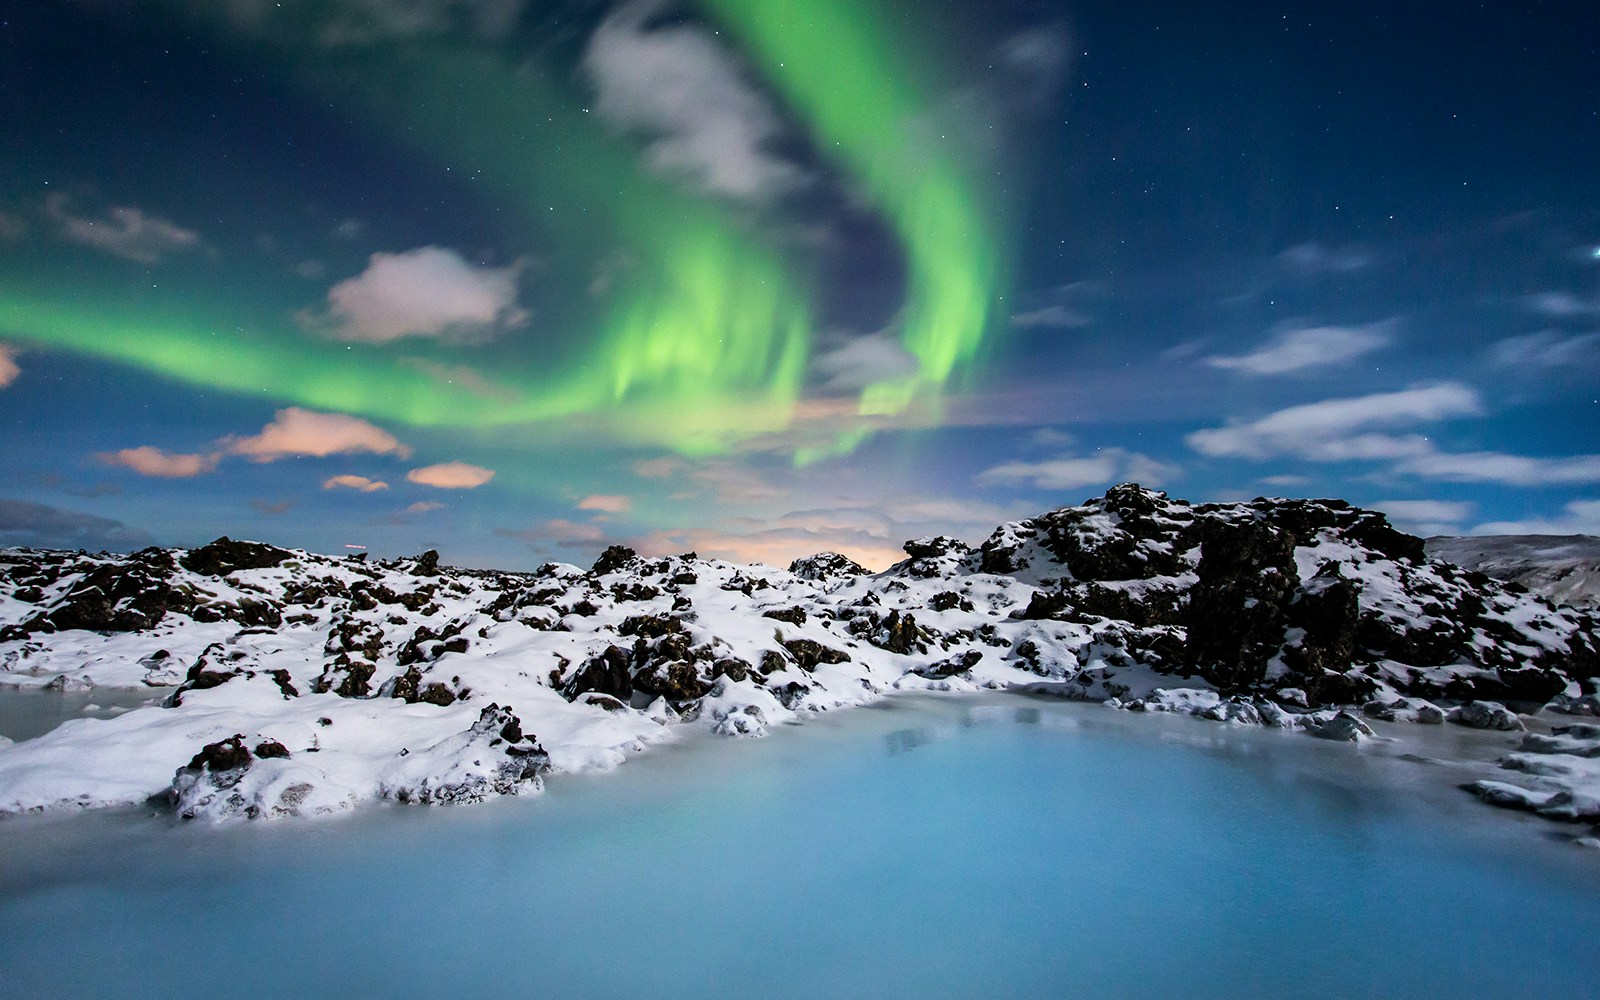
517	279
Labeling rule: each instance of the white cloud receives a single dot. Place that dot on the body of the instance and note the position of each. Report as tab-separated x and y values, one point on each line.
1580	517
1069	473
426	292
680	86
1426	517
1547	349
1339	430
451	476
1564	305
125	231
1303	348
305	433
149	461
1511	470
863	361
9	369
360	483
1312	259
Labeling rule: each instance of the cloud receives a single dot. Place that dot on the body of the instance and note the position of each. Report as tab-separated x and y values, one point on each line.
559	531
424	507
126	232
1426	517
1314	259
349	482
1340	430
1563	305
1066	311
1303	348
426	292
659	468
148	461
772	548
1069	473
678	85
1510	470
12	228
608	504
451	476
1579	517
1547	349
272	508
1055	317
34	525
295	432
862	361
340	23
9	369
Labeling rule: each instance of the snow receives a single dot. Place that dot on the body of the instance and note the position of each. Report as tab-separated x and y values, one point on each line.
305	685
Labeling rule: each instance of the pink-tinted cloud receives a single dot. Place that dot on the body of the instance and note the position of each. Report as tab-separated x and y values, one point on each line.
609	504
451	476
305	433
349	482
148	461
9	369
424	507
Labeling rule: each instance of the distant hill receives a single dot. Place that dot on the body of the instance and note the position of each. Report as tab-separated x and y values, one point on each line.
1564	568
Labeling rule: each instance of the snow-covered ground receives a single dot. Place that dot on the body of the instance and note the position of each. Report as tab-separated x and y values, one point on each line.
295	684
1564	568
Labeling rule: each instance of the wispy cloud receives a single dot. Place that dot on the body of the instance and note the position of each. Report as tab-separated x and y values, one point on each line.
679	86
1510	470
858	362
606	503
1548	349
1579	517
451	476
1564	305
1339	430
125	231
1314	259
560	532
1106	466
1427	517
36	525
426	292
1303	349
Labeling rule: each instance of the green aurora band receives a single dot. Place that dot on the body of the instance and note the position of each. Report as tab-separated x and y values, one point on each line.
702	342
852	80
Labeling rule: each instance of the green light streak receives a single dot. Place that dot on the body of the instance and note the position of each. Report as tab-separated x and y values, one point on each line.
700	343
871	106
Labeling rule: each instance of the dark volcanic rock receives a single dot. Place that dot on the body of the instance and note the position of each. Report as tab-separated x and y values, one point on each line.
225	555
606	673
1238	609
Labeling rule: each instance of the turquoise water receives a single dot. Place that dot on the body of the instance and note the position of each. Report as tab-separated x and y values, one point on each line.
938	848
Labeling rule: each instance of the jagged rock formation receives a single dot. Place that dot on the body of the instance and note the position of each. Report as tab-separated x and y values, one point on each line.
373	676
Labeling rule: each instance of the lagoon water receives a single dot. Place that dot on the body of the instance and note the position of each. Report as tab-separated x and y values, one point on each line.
964	847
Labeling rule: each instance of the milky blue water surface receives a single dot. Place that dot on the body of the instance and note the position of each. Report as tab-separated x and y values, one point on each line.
989	847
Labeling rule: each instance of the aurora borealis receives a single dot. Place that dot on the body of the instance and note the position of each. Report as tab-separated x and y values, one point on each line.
764	277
